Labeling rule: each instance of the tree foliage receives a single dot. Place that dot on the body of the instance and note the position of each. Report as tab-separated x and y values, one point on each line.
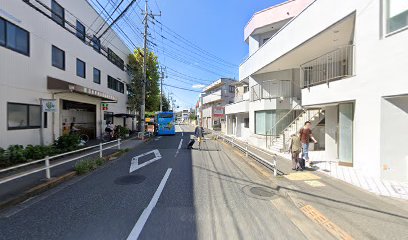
152	85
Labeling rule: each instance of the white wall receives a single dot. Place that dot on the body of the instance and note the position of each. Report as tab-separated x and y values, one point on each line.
394	132
331	132
23	79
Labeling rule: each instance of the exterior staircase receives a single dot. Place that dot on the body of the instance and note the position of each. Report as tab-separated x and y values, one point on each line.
292	121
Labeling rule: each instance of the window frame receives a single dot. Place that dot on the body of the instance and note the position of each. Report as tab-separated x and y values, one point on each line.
27	116
55	3
6	45
93	74
115	84
79	34
77	73
385	18
63	59
96	43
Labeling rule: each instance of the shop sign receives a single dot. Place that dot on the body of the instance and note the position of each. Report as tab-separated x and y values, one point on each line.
218	112
49	105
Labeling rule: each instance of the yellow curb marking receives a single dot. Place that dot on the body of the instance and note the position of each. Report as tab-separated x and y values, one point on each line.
301	176
319	218
315	183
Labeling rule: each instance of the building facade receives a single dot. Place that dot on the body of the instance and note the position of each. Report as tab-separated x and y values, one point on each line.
213	100
53	50
347	59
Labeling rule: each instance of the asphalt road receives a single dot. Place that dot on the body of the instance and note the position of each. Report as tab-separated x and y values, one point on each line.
214	193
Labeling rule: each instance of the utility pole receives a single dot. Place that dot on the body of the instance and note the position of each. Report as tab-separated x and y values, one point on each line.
143	105
161	89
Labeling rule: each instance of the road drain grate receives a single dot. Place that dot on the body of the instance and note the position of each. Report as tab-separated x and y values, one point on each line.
130	179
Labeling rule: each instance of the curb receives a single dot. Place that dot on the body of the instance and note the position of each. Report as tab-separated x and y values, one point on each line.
36	190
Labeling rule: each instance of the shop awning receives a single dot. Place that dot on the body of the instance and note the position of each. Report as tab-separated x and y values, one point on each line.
60	85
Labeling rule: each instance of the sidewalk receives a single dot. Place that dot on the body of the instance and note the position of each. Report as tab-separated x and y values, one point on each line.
350	175
15	187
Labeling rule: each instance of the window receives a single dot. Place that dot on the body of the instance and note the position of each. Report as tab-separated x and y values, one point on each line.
263	122
80	30
97	76
396	14
96	44
246	122
23	116
116	85
108	116
115	59
231	89
80	68
2	32
14	37
58	58
246	89
58	14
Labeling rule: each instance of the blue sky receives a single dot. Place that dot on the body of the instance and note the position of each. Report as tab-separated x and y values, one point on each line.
215	26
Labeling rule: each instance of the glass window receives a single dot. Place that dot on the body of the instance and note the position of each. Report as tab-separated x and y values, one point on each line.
2	32
246	122
80	30
20	116
264	121
108	116
58	58
34	116
396	14
17	38
260	122
231	89
58	14
80	68
96	43
97	76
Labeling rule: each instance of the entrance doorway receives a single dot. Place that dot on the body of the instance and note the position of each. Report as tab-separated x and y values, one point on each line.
345	146
82	114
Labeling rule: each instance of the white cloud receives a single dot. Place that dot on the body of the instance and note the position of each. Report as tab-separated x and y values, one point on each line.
198	86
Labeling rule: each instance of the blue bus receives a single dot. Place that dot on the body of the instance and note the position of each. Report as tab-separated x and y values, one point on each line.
166	123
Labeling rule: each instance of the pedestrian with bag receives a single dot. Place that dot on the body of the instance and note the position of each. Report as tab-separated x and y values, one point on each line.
295	148
305	136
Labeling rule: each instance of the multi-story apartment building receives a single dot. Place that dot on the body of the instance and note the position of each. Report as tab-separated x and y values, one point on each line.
349	59
51	49
213	100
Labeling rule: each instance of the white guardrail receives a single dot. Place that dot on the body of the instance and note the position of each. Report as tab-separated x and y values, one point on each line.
47	166
271	165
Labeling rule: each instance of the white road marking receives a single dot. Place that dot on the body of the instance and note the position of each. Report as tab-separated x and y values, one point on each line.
137	229
179	147
134	165
181	142
157	139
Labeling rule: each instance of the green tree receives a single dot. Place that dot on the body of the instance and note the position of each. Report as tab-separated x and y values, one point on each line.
152	85
166	104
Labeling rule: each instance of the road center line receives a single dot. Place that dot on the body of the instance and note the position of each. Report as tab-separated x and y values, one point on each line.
137	229
181	142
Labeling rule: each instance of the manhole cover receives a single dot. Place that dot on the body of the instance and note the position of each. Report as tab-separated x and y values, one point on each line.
130	179
260	191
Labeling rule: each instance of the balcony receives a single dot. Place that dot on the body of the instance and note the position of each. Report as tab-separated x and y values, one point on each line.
240	105
335	65
213	97
271	89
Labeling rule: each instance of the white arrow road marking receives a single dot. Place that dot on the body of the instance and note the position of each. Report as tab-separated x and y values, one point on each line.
137	229
134	165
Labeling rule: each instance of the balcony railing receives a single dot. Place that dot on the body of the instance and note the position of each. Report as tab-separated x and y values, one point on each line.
271	89
331	66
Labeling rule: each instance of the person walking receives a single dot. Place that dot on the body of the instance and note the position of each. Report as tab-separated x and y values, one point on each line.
199	134
305	135
294	149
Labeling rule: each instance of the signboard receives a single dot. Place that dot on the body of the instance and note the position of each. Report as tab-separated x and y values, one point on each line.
150	120
150	128
105	106
49	105
218	112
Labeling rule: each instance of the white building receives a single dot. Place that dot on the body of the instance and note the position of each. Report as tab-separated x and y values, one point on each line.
50	50
213	101
349	59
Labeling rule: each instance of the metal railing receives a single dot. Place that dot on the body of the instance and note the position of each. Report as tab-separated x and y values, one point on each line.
282	124
271	89
47	165
331	66
271	165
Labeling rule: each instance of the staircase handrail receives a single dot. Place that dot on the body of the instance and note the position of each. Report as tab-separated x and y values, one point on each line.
276	124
